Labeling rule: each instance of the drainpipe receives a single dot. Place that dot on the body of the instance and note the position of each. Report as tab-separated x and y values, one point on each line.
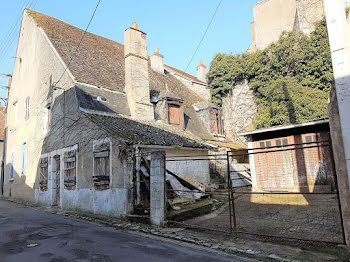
138	168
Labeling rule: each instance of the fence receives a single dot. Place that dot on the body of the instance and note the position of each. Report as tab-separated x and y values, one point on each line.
289	192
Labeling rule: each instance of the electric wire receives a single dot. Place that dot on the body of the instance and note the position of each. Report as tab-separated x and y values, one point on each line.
205	32
81	40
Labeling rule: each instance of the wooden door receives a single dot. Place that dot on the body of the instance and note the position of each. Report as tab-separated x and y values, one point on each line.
57	180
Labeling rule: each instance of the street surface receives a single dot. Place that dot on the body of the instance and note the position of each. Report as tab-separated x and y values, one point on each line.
30	235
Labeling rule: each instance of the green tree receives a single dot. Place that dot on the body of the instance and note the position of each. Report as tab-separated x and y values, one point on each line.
296	63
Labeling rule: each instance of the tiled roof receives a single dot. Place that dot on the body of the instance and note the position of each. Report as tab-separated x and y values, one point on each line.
144	134
184	74
100	62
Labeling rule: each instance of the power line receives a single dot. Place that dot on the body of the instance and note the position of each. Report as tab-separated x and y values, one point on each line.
81	40
12	36
205	32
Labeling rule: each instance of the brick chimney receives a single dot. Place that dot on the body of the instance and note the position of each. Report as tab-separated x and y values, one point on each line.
202	72
136	74
157	61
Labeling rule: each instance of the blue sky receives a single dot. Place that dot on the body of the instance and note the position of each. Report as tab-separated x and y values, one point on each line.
175	27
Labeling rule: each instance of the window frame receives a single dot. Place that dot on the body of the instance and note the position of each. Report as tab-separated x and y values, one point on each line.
102	157
70	169
27	108
179	104
43	173
12	168
24	159
216	120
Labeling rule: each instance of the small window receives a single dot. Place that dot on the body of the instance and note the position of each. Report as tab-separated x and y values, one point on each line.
70	170
216	121
268	143
44	172
101	176
278	142
24	159
262	144
174	115
26	113
285	142
315	137
12	170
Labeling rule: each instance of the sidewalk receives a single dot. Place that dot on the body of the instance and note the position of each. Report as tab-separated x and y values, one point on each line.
243	246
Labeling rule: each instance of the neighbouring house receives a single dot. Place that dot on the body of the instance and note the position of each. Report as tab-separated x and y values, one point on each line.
272	17
79	119
2	137
296	158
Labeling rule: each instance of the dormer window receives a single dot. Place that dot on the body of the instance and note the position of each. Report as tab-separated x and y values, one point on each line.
99	98
175	114
216	122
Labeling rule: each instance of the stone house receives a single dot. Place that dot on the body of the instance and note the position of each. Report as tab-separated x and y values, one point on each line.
272	17
78	119
293	158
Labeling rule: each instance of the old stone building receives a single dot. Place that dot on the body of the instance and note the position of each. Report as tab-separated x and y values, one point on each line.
272	17
78	120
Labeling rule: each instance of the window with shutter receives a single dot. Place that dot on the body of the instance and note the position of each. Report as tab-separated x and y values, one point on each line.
12	163
101	176
216	123
26	113
174	115
70	170
43	176
24	159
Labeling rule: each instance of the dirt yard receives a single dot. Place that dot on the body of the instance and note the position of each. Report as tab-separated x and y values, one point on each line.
312	217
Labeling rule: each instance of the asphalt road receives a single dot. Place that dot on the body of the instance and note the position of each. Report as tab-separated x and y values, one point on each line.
30	235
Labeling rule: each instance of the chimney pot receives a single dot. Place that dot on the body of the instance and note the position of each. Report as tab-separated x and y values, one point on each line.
157	61
202	72
134	25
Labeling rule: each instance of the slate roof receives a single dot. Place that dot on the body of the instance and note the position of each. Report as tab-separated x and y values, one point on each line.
100	62
136	132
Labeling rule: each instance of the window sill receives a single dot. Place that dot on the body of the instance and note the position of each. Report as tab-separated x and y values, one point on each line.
11	179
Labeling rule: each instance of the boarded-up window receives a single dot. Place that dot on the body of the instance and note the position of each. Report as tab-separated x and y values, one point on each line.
43	176
101	176
70	170
216	122
174	115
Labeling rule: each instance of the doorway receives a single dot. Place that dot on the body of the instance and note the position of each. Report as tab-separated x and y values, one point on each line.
56	181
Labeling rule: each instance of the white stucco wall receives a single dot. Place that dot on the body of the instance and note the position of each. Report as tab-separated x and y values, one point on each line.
37	65
187	164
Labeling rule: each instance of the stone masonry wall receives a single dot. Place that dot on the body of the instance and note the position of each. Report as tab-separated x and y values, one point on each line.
239	110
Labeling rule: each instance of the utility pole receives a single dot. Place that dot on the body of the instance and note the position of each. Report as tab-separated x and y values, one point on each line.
7	87
2	172
339	108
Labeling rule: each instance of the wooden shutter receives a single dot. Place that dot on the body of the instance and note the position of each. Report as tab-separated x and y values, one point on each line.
101	176
174	115
43	174
70	170
214	121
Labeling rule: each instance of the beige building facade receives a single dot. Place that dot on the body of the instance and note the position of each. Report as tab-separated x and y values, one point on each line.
272	17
